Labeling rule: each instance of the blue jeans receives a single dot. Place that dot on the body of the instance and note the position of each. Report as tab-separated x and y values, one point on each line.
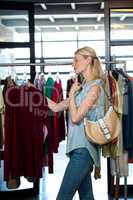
77	176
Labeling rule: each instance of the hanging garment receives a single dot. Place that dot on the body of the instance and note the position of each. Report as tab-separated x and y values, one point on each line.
7	84
119	165
48	145
1	113
26	114
69	84
114	148
128	119
41	82
58	118
36	80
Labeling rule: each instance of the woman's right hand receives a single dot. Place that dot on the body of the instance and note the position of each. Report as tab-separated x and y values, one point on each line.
75	87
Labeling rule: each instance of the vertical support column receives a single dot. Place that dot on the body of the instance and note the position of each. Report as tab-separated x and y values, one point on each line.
107	31
32	41
107	58
32	68
77	40
42	59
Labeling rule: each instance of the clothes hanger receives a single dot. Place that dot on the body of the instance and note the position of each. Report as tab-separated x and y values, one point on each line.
49	73
57	77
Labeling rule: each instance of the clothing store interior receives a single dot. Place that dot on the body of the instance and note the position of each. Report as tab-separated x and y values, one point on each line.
37	42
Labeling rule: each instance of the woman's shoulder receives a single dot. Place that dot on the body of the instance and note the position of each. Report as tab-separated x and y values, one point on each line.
98	81
95	82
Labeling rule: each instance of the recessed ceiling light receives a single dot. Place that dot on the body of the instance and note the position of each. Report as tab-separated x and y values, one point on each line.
43	5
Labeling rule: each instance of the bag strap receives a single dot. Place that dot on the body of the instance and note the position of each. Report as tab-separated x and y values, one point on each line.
108	96
110	100
104	128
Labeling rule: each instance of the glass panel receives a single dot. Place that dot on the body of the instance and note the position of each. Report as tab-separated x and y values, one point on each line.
13	25
92	35
121	24
99	46
38	52
22	53
16	55
123	53
21	37
37	37
59	36
122	50
59	49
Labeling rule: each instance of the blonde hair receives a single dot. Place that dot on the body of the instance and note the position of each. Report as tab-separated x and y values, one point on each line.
96	63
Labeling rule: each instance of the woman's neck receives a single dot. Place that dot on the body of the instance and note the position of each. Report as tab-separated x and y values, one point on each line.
87	77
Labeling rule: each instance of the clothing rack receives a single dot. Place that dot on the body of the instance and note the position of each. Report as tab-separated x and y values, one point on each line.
34	64
55	63
26	191
46	73
35	189
114	62
109	66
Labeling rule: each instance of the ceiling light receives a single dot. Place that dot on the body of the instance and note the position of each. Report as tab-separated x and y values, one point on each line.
96	27
102	5
77	28
37	28
51	19
73	6
57	28
26	18
99	17
43	5
75	18
123	17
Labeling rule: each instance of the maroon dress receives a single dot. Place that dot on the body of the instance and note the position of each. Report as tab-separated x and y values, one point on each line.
26	114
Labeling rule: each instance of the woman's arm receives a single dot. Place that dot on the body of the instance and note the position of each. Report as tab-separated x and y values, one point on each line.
57	107
78	113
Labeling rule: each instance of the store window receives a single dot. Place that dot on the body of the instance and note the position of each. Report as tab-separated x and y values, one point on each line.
123	53
59	49
10	23
59	36
99	46
13	56
121	24
92	35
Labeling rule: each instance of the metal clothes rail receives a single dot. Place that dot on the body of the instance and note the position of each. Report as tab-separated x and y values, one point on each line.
34	64
54	63
115	62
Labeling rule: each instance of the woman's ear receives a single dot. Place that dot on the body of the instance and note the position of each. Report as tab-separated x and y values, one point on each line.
88	61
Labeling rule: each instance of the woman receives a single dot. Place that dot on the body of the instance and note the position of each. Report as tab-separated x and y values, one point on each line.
86	100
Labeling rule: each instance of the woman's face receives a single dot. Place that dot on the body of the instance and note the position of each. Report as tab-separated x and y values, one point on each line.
80	63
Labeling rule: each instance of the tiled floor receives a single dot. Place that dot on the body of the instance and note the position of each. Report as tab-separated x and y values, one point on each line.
50	183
